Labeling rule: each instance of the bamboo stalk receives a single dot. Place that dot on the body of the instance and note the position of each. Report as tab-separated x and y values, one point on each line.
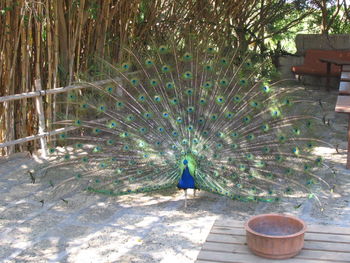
24	85
56	59
81	20
37	75
31	116
3	54
8	106
50	65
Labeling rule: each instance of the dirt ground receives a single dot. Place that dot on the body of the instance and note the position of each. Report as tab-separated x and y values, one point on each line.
145	227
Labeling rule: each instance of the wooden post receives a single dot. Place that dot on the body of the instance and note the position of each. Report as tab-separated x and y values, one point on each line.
328	76
41	118
348	154
9	126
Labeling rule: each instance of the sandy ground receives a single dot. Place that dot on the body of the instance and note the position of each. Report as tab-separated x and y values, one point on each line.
143	228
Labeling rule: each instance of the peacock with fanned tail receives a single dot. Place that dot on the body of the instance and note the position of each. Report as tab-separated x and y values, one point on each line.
192	116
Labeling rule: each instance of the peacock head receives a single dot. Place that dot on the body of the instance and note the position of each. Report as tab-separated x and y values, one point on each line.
188	160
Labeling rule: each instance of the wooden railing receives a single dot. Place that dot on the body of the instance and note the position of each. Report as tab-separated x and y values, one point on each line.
38	94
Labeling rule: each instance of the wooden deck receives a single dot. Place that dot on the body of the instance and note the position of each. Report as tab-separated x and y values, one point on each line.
226	244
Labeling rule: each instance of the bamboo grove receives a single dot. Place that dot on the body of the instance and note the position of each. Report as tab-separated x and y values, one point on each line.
58	41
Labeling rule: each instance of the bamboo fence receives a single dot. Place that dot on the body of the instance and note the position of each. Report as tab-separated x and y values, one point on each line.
39	94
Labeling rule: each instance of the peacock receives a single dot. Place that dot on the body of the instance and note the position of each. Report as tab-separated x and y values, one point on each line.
191	115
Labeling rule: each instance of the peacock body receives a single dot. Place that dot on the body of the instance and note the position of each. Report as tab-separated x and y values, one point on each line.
192	116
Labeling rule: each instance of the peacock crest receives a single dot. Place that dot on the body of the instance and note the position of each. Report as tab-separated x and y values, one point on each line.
195	107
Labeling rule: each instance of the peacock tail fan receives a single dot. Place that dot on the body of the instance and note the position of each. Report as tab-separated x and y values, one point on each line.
243	136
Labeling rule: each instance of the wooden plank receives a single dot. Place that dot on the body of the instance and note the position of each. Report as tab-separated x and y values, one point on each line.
345	76
224	247
310	227
226	238
228	231
225	257
82	86
45	134
328	229
305	253
55	91
338	62
228	222
37	136
309	244
26	95
308	236
344	88
328	237
326	246
343	104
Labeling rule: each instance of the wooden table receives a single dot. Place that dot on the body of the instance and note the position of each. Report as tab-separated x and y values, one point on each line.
226	243
337	62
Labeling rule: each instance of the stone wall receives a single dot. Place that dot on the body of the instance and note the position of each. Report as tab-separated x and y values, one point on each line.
304	42
286	63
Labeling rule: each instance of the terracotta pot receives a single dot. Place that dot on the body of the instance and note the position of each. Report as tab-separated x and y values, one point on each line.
275	235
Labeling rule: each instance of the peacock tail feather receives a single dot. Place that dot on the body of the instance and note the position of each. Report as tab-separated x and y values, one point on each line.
241	134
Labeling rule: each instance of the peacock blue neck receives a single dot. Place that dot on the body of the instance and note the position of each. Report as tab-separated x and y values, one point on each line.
190	161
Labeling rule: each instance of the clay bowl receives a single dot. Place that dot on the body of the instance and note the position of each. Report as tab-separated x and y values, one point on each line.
275	236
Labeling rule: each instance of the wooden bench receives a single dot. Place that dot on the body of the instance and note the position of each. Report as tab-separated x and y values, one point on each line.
325	63
346	68
344	88
226	243
345	76
343	106
313	66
